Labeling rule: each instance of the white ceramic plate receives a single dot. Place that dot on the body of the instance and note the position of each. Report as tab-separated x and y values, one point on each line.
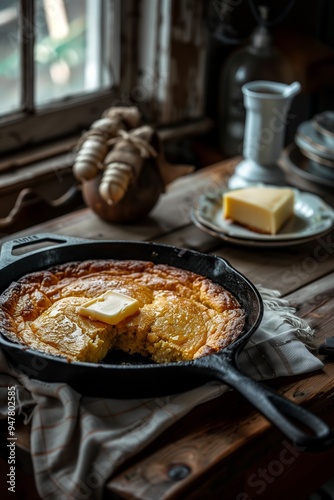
309	139
248	242
297	163
324	124
312	218
320	166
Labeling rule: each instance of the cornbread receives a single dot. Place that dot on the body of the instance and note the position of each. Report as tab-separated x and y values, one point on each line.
179	315
262	209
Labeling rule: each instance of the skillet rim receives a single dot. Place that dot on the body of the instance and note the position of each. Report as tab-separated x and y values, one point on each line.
229	351
280	412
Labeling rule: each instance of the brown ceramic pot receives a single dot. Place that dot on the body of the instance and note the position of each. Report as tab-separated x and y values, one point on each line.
137	203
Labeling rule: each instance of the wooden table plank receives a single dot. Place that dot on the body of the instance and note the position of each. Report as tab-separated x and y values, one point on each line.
171	212
221	440
287	269
213	438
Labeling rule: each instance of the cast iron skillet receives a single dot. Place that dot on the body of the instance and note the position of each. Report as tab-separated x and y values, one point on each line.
122	376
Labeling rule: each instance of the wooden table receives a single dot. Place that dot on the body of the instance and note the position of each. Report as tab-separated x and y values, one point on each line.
230	451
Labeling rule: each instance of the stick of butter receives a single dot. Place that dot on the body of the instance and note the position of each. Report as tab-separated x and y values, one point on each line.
110	307
262	209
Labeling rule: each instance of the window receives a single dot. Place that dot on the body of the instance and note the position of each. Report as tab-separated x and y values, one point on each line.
59	66
64	62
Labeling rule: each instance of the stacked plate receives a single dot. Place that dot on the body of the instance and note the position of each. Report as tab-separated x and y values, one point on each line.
312	218
315	139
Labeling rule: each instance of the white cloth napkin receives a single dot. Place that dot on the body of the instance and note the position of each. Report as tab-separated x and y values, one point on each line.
77	442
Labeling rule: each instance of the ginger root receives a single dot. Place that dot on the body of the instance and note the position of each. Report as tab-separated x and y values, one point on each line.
93	146
123	164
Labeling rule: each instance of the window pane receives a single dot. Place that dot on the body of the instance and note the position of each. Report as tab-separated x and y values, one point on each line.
71	53
9	57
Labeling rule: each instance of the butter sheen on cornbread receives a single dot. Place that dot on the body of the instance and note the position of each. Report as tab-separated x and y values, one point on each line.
262	209
111	307
181	315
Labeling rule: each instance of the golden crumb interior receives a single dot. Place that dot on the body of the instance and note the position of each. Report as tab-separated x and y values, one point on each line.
181	316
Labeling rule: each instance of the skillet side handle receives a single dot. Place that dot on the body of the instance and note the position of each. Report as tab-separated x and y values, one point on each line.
7	248
283	413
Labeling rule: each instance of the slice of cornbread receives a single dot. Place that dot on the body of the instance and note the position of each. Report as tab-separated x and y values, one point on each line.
261	209
62	331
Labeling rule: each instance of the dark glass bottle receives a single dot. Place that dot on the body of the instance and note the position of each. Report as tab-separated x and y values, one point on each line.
258	60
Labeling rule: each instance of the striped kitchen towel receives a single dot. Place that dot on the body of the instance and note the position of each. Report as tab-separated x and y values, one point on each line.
78	442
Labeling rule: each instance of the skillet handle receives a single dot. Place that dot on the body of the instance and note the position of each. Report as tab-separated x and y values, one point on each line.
23	243
290	418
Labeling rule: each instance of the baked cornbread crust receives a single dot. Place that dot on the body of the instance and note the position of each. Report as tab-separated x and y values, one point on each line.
182	315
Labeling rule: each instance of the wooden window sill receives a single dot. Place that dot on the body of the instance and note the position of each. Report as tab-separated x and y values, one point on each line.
38	184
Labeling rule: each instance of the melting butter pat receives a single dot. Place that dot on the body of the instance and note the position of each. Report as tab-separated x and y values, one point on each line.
110	307
262	209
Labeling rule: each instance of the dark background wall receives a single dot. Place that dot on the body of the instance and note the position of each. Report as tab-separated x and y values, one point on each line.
305	37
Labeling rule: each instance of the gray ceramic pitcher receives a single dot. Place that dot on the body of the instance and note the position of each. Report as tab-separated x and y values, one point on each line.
267	105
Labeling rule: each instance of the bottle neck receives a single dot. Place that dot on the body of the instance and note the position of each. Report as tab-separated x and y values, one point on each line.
261	38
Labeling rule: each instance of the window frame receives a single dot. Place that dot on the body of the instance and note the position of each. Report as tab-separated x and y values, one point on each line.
39	145
31	126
